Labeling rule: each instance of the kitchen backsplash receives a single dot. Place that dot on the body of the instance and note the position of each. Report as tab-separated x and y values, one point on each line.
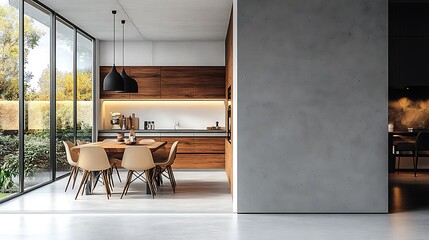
406	113
190	114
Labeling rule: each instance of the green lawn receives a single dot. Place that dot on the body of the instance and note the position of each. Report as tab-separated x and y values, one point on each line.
2	195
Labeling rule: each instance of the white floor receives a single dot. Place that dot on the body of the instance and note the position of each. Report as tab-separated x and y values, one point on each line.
196	192
48	213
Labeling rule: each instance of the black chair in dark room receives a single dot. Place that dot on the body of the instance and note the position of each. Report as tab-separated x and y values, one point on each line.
422	148
404	149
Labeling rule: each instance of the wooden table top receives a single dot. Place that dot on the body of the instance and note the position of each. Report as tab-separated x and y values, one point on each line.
120	146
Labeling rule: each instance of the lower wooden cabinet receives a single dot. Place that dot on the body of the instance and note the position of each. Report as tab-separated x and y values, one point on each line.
194	152
198	152
199	161
186	144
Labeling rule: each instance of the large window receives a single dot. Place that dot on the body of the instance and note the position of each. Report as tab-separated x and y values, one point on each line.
53	72
37	96
84	88
64	92
9	96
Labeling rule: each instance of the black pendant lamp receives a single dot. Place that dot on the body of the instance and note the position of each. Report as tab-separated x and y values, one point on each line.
130	84
113	81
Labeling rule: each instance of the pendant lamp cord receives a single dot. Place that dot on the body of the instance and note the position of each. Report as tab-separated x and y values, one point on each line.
123	42
114	36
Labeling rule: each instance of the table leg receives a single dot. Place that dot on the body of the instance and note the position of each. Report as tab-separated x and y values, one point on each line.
88	188
157	179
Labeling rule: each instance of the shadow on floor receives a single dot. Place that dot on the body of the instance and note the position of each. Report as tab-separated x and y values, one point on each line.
408	193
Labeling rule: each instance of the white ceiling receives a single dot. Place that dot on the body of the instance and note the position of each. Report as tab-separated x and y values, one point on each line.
152	20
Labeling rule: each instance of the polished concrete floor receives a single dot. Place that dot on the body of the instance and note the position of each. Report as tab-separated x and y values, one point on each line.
196	192
407	222
408	193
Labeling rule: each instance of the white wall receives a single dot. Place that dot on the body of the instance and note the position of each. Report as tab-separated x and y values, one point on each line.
191	114
164	53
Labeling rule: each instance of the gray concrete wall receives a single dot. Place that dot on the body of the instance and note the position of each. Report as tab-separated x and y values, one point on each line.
312	106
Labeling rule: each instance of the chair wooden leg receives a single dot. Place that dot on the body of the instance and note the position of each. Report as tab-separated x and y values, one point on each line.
86	181
127	183
94	180
174	178
150	183
106	176
131	172
70	177
76	172
106	182
117	172
112	184
84	178
171	177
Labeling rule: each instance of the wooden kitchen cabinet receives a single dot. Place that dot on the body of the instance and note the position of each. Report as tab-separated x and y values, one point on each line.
104	70
186	145
149	81
192	152
198	153
199	161
170	83
209	82
209	145
177	82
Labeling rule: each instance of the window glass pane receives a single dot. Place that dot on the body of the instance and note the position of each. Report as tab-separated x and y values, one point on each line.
64	93
37	95
9	91
84	88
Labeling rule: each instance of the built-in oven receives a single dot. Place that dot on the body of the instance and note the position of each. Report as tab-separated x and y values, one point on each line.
229	115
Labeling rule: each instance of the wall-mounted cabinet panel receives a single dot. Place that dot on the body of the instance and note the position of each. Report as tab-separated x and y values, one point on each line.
209	82
104	70
149	81
177	82
170	83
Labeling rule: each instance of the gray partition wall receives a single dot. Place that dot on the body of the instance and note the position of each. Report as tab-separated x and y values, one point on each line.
312	106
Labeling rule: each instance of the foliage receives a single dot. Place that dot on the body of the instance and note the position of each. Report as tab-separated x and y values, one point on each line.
6	183
64	82
37	142
9	51
8	152
8	145
36	154
36	157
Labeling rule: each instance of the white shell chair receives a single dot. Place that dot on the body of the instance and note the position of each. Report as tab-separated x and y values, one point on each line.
94	159
159	155
166	166
138	159
115	160
72	160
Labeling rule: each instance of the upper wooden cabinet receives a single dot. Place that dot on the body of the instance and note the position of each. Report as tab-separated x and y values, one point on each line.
149	81
104	70
209	82
170	83
177	82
